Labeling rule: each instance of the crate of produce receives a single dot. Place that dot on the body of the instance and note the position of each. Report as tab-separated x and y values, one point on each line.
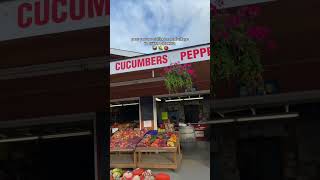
122	148
159	151
137	174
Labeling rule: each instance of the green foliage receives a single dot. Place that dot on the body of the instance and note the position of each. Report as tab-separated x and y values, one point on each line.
235	54
178	77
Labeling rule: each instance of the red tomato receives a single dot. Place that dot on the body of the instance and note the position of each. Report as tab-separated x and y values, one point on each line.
137	171
162	176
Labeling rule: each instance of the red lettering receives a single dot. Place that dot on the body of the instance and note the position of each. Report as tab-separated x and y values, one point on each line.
195	52
96	7
208	49
123	65
182	55
134	63
140	62
46	11
159	60
148	62
165	59
189	53
73	9
153	61
55	16
128	64
24	7
117	66
37	13
202	51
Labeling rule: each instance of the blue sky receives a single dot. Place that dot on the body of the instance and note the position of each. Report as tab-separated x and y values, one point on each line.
154	18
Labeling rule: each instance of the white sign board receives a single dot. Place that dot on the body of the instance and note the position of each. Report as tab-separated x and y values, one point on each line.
27	18
236	3
160	60
147	124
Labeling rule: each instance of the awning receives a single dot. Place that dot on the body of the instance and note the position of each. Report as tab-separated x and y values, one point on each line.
267	100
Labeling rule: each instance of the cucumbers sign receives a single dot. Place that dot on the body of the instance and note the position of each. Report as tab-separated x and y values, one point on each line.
26	18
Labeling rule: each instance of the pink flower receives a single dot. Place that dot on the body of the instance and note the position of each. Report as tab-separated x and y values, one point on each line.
191	72
250	11
184	67
233	21
258	32
271	45
216	38
213	10
243	11
253	11
225	35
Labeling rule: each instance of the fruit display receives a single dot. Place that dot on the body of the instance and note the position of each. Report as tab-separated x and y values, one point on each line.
160	130
123	126
158	140
136	174
116	173
172	140
126	139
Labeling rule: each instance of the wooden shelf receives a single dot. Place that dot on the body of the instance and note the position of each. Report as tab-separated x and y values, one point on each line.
160	161
123	159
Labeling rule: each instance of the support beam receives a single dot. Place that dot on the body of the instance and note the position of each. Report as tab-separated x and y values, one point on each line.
54	68
139	81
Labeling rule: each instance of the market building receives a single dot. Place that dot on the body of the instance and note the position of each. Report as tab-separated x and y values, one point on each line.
137	82
52	74
140	100
273	135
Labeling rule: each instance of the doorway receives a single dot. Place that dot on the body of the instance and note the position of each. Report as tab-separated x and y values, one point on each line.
68	158
260	159
192	113
57	151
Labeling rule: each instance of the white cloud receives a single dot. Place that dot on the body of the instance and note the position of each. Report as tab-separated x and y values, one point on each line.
166	18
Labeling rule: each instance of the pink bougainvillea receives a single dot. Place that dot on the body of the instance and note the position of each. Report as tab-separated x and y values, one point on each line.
237	41
258	32
179	76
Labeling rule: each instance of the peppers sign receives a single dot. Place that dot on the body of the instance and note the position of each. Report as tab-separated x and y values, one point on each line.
160	60
26	18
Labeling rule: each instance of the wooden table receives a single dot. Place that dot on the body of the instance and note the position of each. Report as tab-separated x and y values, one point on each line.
159	157
123	158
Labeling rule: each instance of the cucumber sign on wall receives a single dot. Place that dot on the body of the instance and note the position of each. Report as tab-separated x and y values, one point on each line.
26	18
160	60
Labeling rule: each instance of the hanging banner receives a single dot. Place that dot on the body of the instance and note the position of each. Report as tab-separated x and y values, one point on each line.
160	60
27	18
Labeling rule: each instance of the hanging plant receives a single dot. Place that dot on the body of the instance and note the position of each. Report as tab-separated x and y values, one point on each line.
178	77
236	45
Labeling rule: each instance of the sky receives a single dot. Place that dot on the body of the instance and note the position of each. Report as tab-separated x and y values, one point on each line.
158	18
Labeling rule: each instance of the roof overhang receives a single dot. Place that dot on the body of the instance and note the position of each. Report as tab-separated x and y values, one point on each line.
237	3
124	53
267	100
187	55
93	63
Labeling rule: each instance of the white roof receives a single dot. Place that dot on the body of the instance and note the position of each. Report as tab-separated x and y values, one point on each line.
124	53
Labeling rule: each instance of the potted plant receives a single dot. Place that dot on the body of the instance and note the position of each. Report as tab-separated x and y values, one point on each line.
236	46
178	77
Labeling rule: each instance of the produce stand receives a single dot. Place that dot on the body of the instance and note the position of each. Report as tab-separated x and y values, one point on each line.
159	157
123	158
122	148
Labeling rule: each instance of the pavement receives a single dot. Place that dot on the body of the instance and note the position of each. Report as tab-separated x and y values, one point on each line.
195	163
